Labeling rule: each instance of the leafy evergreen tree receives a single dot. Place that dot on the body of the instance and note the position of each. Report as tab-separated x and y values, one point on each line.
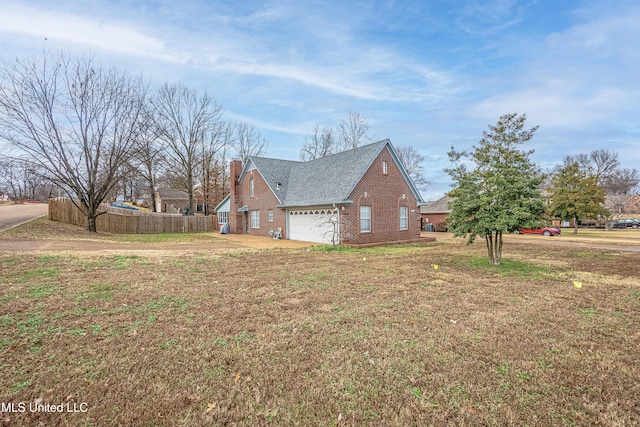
576	195
502	192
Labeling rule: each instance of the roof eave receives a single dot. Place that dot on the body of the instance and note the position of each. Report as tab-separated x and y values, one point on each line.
317	205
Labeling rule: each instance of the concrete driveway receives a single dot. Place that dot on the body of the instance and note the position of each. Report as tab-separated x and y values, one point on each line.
14	215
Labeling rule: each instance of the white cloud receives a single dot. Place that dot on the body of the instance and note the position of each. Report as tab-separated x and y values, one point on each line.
601	37
326	57
84	30
555	107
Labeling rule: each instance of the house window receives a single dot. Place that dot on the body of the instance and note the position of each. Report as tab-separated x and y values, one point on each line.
251	187
223	217
270	215
385	167
255	219
365	219
404	218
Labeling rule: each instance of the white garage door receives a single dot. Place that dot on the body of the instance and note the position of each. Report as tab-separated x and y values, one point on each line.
313	225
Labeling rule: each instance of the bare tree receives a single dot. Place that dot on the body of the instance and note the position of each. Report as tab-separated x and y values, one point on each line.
22	179
353	131
604	166
212	154
75	119
615	205
150	156
600	164
622	181
183	121
413	163
221	179
248	141
319	143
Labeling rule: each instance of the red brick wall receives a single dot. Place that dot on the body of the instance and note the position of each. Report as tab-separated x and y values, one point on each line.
632	205
434	218
263	199
384	193
236	224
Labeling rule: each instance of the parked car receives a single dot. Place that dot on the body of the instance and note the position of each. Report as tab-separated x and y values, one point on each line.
545	231
627	223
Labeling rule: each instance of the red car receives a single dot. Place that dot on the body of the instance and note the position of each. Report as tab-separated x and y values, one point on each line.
546	231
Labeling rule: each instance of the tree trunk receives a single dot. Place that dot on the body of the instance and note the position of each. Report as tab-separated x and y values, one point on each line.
190	192
494	247
152	190
91	220
575	225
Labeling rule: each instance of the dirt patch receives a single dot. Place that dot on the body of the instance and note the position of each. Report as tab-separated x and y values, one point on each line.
45	235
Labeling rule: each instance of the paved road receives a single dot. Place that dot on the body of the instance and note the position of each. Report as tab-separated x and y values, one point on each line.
12	215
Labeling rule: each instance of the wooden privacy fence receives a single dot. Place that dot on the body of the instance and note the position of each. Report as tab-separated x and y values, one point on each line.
125	221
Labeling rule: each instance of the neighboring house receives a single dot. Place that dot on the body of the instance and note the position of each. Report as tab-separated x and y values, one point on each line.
222	211
357	197
435	212
623	205
172	201
632	205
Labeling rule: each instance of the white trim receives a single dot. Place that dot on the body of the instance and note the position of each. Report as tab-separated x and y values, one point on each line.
223	217
405	218
255	219
361	218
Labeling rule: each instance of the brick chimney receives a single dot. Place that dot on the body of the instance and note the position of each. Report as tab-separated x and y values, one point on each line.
235	199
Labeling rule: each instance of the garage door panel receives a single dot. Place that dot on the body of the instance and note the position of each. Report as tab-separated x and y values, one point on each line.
312	225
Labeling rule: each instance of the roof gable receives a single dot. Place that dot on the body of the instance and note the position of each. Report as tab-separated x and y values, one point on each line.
275	172
224	205
327	180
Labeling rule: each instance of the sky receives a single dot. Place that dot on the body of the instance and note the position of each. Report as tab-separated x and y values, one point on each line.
430	74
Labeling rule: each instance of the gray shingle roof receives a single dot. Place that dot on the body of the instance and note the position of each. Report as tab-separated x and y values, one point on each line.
276	172
322	181
438	206
172	194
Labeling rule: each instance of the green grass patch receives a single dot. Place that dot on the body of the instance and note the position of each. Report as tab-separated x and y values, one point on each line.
43	290
97	291
511	267
122	262
36	273
49	258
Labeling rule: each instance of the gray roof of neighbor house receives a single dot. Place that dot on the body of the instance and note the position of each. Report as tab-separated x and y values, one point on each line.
323	181
438	206
171	194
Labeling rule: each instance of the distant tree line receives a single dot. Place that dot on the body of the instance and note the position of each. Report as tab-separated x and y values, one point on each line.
95	132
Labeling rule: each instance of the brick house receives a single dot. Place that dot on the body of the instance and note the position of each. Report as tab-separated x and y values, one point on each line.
436	212
171	200
358	197
632	204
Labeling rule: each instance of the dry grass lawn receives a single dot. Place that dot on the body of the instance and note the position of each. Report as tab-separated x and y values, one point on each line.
313	337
